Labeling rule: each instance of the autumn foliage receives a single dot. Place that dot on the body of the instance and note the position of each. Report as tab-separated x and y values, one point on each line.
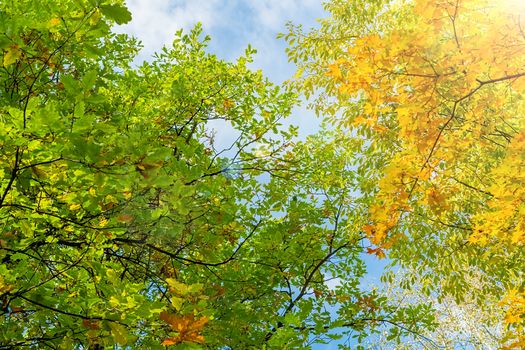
187	328
126	224
451	83
446	85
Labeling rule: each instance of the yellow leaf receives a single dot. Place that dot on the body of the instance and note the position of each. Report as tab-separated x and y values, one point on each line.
131	303
510	318
74	206
111	199
95	18
177	302
114	302
5	287
12	55
103	222
54	21
188	328
177	287
112	275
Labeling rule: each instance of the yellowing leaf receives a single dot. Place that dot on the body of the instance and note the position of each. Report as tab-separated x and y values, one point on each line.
125	218
5	287
511	318
112	275
74	206
12	54
54	21
227	104
95	17
170	341
103	222
177	302
177	287
119	333
114	301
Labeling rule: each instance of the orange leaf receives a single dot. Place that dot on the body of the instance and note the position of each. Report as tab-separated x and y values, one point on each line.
170	341
195	338
187	327
380	253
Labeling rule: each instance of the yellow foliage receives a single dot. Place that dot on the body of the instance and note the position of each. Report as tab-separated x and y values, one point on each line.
5	287
452	74
450	78
515	318
74	206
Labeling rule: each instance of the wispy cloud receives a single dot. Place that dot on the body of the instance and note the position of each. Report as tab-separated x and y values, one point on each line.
272	14
232	24
156	21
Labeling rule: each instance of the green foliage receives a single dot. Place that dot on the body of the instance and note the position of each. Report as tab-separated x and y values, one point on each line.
117	13
124	224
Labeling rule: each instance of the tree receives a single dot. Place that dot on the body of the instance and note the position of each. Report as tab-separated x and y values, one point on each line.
124	224
459	325
435	90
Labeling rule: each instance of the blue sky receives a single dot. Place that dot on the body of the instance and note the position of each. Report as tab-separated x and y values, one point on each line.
232	25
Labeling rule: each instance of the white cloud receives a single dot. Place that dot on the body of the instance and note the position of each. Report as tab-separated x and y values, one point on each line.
244	22
272	14
156	21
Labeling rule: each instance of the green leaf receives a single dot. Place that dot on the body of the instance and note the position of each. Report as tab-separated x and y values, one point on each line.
79	110
4	42
119	333
89	79
118	13
71	84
